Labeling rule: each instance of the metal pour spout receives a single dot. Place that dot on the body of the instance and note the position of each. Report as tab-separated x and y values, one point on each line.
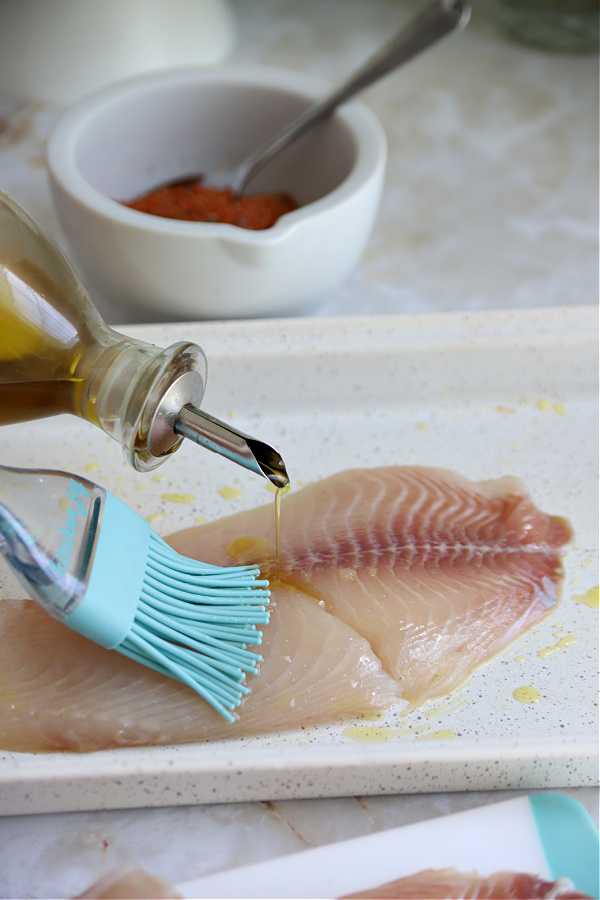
240	448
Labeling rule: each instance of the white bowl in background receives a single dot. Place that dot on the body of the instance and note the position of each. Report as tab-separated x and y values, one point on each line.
123	140
58	50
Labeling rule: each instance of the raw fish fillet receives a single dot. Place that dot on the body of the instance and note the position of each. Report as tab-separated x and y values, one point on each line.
416	568
438	573
448	884
129	884
59	691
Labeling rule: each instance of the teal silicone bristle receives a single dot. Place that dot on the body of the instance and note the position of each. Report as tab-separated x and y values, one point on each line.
187	619
194	622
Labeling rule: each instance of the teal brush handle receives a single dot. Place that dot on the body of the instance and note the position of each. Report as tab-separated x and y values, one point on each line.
49	523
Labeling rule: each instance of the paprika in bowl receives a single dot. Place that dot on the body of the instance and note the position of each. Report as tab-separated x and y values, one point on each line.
119	143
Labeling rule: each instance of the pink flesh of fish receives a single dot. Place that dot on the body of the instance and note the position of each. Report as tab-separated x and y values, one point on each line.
419	568
448	884
438	573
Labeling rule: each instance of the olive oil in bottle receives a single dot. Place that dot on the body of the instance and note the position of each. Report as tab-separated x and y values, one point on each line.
41	344
57	355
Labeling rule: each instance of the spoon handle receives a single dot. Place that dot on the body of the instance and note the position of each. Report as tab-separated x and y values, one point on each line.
437	21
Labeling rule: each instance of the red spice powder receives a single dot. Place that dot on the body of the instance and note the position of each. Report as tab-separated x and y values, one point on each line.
195	202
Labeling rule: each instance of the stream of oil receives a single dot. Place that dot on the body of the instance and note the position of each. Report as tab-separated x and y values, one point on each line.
248	549
279	492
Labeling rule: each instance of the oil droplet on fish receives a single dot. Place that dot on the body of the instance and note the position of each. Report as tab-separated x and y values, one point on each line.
229	493
249	549
91	466
159	476
441	735
520	658
527	694
564	642
590	599
174	497
560	409
200	520
543	404
141	487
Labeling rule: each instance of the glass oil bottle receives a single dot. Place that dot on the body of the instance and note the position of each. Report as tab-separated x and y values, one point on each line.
57	355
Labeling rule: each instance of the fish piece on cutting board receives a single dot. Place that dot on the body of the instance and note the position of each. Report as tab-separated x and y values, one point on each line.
449	884
129	884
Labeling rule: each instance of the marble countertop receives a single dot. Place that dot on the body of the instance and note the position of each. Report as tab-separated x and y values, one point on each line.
491	202
491	194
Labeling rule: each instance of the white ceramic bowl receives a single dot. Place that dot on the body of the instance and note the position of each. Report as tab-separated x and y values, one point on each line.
124	139
60	50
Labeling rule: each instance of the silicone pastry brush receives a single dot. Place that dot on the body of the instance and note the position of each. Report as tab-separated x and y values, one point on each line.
94	564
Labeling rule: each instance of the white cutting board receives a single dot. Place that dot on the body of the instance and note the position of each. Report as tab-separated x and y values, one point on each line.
546	834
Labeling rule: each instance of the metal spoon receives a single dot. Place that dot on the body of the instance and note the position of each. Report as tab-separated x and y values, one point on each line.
438	20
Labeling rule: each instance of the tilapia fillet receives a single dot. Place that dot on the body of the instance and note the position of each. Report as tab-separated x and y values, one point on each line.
449	884
438	573
394	581
59	691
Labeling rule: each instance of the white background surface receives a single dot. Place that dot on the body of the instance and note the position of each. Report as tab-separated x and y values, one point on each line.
490	203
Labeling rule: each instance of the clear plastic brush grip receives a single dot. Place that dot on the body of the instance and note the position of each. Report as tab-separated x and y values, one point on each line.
48	527
57	355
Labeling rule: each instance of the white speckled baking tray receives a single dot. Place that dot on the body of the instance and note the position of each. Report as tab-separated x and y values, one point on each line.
483	393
